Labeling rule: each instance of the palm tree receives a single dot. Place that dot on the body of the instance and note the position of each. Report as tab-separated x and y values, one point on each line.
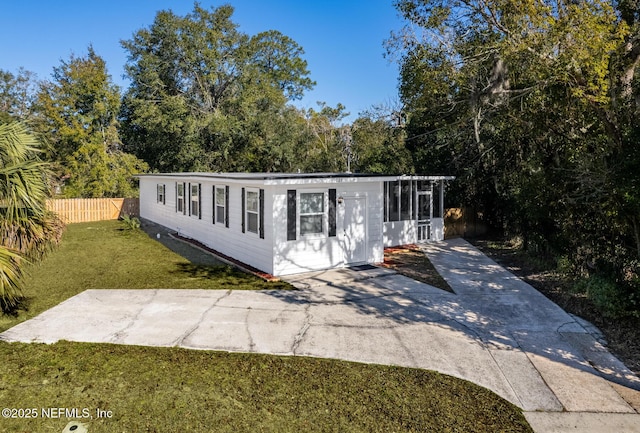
27	229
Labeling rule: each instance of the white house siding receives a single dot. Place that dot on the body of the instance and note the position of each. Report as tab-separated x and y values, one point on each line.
437	229
247	247
317	252
162	213
400	233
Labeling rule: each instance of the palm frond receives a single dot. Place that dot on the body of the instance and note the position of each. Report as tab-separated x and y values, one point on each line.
27	229
23	176
10	278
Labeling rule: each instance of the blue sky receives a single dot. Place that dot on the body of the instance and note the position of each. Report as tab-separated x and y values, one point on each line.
343	40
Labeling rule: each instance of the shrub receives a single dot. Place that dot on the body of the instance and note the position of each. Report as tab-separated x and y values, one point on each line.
615	299
130	223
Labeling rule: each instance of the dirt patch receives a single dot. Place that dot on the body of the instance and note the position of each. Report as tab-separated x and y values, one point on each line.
412	262
622	335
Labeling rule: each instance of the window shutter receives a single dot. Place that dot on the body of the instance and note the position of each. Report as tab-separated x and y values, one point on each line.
176	197
332	212
291	215
243	216
199	201
213	196
226	206
164	194
261	210
189	196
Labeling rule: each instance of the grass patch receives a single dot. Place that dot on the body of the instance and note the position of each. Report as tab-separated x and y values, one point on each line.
102	255
179	390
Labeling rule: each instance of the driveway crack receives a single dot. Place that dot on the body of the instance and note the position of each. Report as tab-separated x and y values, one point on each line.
252	344
122	332
303	330
178	341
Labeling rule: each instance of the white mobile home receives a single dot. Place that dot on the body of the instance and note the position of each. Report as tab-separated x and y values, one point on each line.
284	223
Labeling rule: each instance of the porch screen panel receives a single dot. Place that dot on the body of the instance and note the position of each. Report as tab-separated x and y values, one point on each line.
405	200
437	204
394	201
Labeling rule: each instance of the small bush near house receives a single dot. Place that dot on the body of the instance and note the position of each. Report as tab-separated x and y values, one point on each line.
130	223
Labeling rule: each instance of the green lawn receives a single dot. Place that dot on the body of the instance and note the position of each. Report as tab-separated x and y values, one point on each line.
146	389
179	390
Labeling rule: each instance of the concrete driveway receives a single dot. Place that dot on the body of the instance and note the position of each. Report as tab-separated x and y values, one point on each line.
496	331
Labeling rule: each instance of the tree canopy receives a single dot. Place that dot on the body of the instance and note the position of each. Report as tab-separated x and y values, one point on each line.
205	96
533	105
77	114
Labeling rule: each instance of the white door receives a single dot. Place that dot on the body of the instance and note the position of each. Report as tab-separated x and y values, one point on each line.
424	216
355	229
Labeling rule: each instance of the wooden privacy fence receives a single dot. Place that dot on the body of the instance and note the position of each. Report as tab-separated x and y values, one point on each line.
80	210
463	222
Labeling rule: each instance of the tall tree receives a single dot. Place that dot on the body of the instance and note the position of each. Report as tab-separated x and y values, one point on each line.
326	132
17	92
532	105
379	146
205	96
77	113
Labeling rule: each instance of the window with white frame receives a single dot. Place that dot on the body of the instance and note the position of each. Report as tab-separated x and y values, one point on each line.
161	197
180	197
220	204
253	211
311	213
195	200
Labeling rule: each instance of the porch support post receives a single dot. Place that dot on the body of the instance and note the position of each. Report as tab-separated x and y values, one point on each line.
442	198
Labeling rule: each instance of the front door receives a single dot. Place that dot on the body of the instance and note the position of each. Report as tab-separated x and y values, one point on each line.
355	229
424	216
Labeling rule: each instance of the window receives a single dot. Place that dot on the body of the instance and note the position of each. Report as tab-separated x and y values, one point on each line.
180	197
311	213
220	203
161	194
253	212
195	200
